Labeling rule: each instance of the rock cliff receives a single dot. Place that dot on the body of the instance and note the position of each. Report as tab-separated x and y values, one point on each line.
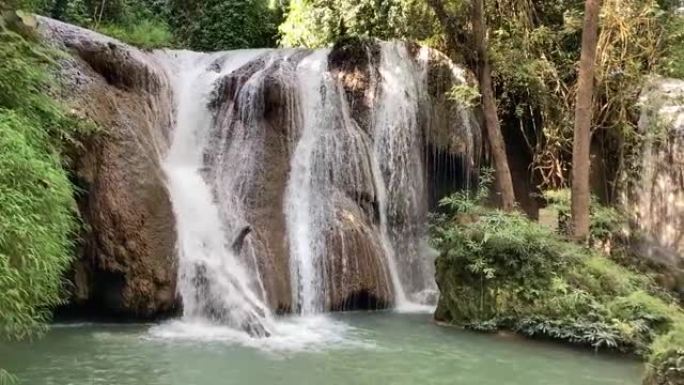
129	255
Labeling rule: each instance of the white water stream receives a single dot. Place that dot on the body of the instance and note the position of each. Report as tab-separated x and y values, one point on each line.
213	281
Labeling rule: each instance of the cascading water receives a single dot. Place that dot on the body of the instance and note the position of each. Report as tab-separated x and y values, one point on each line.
213	281
384	163
282	165
299	180
306	245
399	179
329	162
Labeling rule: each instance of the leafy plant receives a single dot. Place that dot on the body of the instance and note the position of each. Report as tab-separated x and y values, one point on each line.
605	221
673	61
37	218
465	95
319	23
7	378
213	25
500	270
666	362
146	34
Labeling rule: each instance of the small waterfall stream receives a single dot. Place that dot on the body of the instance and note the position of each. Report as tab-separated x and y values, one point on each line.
399	179
213	281
286	175
303	201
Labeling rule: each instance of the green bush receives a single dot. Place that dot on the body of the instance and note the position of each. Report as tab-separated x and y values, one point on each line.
37	209
147	34
500	270
36	226
666	362
605	221
213	25
319	23
673	61
141	23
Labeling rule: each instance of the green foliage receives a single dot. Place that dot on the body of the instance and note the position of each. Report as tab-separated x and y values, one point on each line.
673	61
605	221
205	25
595	334
318	23
211	25
666	363
465	95
147	34
138	22
37	219
501	270
534	48
496	262
37	224
7	378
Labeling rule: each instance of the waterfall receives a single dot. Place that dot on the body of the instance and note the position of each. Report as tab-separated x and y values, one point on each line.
214	282
655	196
306	244
397	154
299	181
330	160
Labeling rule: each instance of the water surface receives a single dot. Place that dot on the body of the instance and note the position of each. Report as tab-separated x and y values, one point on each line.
351	348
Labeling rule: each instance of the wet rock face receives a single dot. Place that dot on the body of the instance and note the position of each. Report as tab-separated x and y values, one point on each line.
127	262
656	198
252	108
358	274
452	160
354	64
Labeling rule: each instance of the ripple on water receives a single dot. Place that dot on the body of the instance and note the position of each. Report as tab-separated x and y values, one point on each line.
381	348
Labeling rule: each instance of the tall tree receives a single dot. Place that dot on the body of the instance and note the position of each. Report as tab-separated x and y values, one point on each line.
581	196
496	141
480	62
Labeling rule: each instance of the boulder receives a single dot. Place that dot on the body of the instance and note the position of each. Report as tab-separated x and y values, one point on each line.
127	258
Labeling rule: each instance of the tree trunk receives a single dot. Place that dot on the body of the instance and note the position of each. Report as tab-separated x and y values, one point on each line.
496	141
581	196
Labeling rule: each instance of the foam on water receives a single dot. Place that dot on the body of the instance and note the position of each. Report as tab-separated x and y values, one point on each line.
313	333
214	281
414	308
